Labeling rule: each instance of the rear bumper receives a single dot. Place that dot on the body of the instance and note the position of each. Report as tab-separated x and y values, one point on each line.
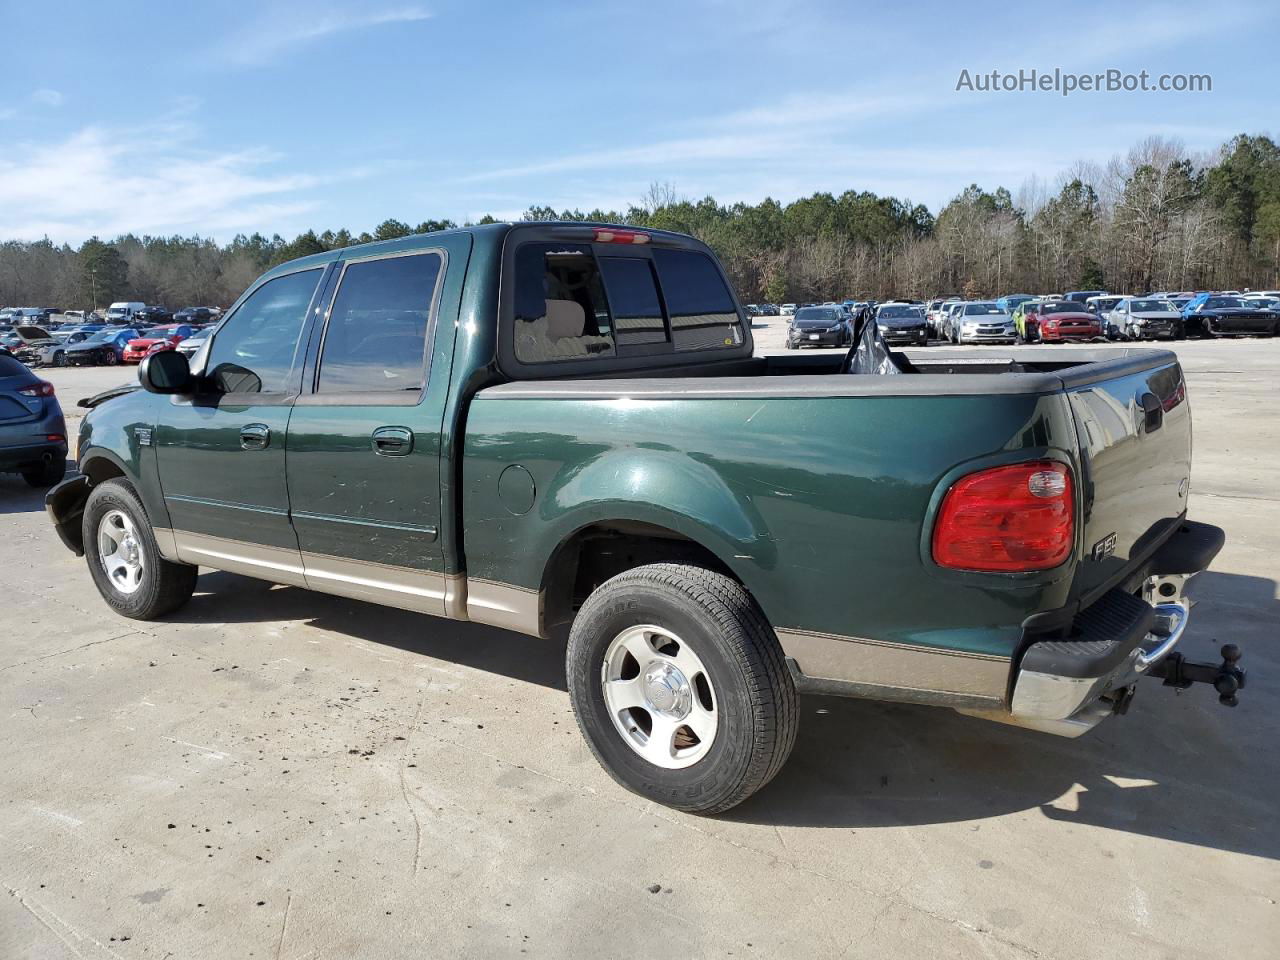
1070	684
31	455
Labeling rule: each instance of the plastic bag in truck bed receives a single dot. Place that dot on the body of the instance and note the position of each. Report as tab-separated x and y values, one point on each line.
869	353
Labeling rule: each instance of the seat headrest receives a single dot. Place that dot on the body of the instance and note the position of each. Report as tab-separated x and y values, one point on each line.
565	318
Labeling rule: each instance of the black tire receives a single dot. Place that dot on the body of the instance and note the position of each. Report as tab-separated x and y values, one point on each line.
47	474
110	358
755	699
165	586
59	359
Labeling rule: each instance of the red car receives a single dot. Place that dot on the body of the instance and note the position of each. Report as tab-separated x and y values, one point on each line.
1060	321
154	340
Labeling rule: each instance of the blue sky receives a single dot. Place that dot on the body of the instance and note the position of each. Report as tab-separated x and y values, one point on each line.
220	117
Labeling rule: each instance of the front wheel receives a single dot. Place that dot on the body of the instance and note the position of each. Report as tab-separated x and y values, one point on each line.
110	358
124	561
680	687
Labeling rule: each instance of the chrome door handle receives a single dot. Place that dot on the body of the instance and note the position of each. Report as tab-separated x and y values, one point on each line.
393	441
255	436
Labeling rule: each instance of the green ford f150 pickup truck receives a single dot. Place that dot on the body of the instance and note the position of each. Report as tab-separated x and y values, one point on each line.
563	427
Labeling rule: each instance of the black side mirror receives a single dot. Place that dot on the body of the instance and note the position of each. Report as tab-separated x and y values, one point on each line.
166	372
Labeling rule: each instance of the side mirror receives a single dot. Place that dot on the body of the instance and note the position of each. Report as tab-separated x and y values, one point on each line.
166	372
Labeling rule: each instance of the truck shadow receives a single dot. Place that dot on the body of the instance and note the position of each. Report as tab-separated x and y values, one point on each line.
1178	767
17	496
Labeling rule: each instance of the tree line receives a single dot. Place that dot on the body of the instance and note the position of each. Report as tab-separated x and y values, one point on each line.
1156	217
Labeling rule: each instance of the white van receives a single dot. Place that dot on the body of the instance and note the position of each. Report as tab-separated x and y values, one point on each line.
121	312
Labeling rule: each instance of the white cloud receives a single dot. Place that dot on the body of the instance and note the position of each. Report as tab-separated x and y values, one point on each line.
268	38
48	98
98	181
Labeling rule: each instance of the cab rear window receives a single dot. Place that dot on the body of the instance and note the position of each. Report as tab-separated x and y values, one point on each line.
571	305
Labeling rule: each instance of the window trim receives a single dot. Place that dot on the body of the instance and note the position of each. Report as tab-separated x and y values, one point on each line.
632	358
311	394
269	397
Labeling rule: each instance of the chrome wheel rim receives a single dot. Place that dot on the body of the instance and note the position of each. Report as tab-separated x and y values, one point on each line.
659	696
120	551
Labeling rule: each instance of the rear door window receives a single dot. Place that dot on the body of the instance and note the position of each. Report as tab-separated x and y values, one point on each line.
703	316
377	335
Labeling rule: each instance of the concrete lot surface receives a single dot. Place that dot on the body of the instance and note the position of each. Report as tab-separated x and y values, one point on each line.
276	773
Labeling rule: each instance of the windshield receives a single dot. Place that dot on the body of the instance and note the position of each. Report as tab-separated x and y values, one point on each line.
101	336
155	332
1219	303
1067	306
975	309
825	314
1150	306
898	313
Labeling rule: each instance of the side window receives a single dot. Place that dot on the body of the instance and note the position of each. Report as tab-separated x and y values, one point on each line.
702	313
254	351
376	338
633	301
560	307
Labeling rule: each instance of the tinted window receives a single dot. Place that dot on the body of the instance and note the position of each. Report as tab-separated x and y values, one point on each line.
1219	303
972	309
898	313
1068	307
560	308
818	314
1149	306
700	305
254	352
376	338
633	301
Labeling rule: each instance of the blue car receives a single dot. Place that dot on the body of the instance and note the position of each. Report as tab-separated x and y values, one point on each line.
104	347
33	435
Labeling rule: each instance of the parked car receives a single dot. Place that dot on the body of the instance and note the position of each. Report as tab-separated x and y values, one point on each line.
55	354
104	347
1145	319
1026	320
716	531
819	327
1080	296
26	342
1217	316
950	319
1059	321
151	316
902	323
1101	307
189	346
166	337
122	312
1009	303
33	435
981	321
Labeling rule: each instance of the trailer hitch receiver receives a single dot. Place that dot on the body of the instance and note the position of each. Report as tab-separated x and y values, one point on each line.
1227	677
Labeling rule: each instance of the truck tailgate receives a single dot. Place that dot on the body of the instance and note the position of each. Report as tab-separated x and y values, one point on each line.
1134	428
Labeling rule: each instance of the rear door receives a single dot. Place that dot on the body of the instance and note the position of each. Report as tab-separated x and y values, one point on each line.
364	439
1134	430
221	453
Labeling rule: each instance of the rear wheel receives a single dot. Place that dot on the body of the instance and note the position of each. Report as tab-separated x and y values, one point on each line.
124	561
680	687
110	358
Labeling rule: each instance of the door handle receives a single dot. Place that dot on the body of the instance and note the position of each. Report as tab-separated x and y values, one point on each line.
393	441
1153	412
255	436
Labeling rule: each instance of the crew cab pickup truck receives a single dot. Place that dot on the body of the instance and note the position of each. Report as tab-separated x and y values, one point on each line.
563	429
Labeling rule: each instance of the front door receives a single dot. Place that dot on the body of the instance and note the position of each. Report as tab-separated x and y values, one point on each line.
364	442
221	453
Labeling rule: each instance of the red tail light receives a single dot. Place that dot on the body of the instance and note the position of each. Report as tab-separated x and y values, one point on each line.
42	389
608	235
1007	519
